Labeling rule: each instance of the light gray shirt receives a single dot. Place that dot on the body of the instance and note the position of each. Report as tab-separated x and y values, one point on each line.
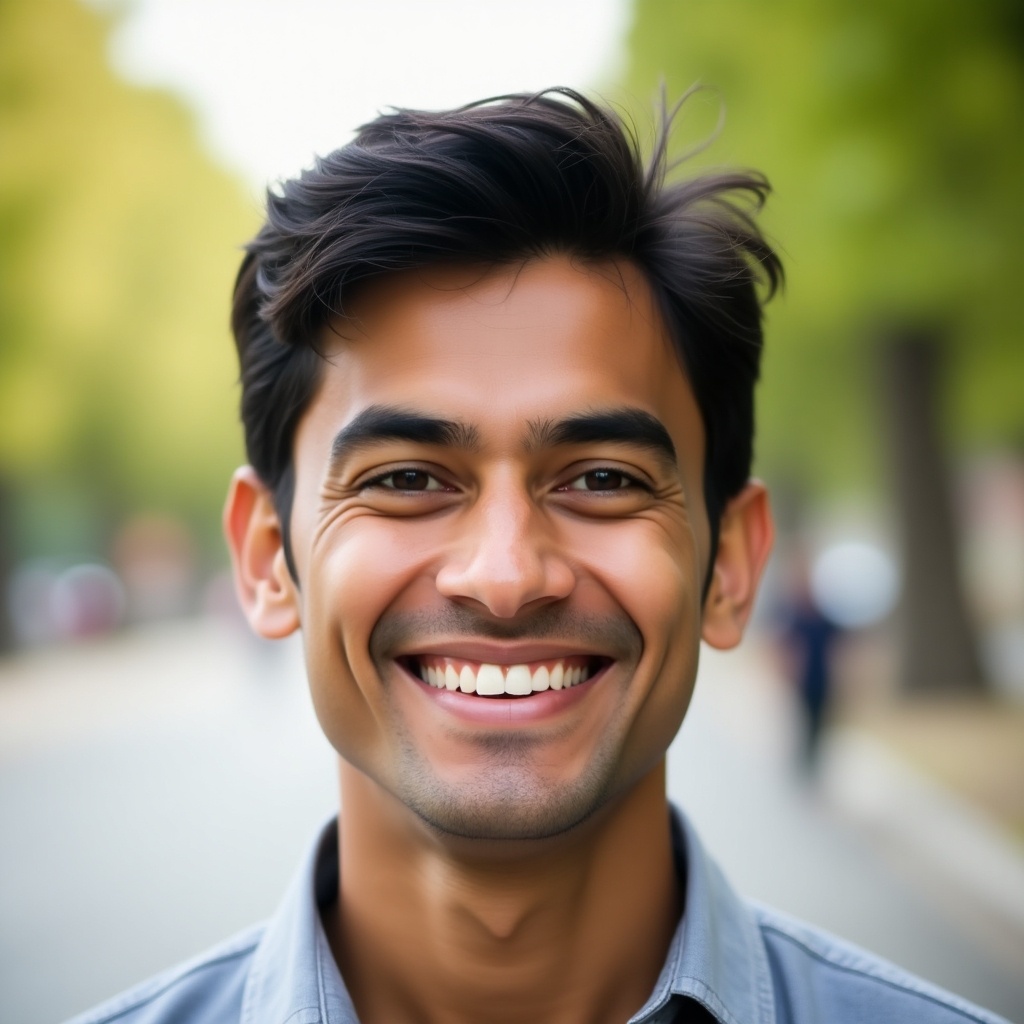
730	961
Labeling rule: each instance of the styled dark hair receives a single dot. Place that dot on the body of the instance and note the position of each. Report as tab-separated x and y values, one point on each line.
497	182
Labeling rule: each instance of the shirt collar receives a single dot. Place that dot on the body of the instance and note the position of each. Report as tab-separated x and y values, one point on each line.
293	976
716	957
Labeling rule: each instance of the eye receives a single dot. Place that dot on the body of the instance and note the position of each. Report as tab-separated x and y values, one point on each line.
604	479
408	480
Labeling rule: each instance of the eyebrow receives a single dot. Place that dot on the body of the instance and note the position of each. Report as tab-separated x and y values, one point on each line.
616	426
379	424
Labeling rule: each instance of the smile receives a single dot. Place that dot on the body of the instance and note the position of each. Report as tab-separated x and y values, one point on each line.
490	680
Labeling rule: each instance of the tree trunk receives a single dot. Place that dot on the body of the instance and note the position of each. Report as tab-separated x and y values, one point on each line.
937	646
6	564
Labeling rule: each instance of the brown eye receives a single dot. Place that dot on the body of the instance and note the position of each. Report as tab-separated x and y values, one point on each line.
601	480
409	480
604	480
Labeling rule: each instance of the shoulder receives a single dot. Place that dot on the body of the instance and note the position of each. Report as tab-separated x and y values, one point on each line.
818	976
204	990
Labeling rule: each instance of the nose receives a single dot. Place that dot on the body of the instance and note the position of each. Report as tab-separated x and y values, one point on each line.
506	556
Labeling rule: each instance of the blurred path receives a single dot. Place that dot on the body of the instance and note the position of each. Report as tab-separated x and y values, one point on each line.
802	848
156	792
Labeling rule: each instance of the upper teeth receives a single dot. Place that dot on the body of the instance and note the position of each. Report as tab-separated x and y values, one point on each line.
493	680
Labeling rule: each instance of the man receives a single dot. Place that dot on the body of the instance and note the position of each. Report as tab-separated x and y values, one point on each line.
498	401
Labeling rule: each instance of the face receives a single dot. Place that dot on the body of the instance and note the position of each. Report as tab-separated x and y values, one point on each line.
500	538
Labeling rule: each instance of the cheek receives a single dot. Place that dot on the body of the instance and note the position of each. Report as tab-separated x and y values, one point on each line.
651	572
356	572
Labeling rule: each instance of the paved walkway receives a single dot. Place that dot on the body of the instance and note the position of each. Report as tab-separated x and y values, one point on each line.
873	852
156	792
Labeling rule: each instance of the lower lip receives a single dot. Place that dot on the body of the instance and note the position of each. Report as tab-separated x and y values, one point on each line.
504	711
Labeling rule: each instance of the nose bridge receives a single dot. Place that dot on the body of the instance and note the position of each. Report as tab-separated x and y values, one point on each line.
505	556
508	542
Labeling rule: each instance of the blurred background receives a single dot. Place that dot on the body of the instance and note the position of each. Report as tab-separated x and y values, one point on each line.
161	771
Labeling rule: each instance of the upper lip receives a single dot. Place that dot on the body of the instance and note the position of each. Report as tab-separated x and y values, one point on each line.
489	652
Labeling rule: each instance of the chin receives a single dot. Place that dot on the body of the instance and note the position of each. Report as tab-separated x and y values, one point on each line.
510	804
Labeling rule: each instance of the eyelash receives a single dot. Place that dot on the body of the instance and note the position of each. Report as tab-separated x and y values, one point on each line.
630	481
379	481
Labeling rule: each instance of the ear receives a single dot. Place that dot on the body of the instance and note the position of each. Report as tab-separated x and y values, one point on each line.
266	591
744	543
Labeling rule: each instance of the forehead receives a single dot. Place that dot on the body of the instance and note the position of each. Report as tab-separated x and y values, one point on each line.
511	343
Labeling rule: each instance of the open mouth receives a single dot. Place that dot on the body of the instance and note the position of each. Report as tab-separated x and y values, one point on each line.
489	680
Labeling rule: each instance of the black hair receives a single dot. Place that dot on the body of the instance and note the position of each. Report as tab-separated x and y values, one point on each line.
497	182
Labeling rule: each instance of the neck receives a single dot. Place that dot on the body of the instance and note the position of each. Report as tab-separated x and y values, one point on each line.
569	930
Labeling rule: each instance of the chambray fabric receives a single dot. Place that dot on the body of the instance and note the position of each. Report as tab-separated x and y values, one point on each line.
730	961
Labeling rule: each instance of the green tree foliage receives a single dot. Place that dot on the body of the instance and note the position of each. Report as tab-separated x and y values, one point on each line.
891	133
118	244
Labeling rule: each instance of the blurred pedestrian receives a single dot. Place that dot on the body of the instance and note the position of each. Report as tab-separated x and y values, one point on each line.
809	638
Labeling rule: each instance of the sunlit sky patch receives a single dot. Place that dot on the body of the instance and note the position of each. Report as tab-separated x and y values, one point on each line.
275	81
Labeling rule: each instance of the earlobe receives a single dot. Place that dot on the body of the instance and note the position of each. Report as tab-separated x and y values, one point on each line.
265	589
744	543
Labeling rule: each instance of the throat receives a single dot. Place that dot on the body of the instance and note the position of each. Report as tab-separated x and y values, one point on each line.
428	930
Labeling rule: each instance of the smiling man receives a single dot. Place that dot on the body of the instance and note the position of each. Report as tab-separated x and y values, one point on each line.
498	402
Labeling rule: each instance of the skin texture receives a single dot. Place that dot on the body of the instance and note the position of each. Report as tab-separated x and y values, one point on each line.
501	858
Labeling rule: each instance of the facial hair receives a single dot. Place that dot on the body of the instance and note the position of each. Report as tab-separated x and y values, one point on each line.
508	798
